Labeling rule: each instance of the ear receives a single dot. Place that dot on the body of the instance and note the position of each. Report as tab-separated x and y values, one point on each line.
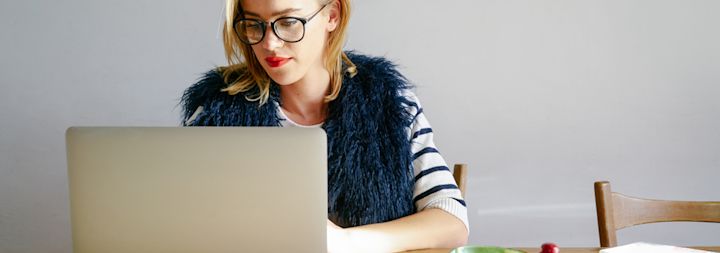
334	10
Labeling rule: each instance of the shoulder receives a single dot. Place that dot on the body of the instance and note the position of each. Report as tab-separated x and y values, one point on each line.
376	71
209	85
379	75
412	101
378	81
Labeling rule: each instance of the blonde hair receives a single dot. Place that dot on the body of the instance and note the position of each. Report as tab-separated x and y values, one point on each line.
244	71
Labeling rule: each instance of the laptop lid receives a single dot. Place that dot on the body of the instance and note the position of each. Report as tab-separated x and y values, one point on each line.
197	189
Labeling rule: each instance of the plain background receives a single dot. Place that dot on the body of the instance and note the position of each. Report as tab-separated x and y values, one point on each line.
539	97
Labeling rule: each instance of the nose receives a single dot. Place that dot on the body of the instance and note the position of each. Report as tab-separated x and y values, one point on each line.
271	41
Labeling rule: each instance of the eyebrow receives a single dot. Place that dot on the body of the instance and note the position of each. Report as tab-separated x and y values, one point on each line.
274	14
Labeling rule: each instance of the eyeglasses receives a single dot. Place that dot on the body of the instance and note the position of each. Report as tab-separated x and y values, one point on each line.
289	29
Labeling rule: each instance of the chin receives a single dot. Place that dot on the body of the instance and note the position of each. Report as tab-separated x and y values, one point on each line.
283	78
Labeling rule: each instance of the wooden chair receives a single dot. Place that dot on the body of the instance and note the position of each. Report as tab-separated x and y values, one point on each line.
460	175
616	211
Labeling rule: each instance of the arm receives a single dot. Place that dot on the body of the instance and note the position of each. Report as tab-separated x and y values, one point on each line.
430	228
441	220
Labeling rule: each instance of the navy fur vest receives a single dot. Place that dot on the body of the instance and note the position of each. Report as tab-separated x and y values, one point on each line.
370	176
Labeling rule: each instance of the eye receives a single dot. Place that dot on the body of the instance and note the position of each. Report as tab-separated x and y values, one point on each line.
289	22
252	26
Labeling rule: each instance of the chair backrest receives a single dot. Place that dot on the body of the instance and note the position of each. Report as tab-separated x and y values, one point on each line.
460	175
616	211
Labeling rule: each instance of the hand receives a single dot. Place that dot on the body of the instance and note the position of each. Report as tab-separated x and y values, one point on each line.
337	238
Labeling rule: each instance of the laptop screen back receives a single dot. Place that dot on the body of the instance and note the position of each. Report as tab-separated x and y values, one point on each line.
199	189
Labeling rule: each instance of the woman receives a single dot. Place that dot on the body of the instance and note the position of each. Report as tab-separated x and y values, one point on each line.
388	187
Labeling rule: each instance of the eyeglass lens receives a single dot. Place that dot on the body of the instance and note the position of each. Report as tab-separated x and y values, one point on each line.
289	29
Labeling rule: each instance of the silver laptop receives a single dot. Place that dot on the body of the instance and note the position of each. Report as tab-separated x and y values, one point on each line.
197	189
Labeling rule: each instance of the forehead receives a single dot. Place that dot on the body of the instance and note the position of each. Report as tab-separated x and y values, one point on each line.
271	8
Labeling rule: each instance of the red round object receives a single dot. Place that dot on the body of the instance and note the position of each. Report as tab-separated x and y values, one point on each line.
549	247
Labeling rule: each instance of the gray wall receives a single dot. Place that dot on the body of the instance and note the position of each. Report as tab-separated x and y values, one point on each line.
540	98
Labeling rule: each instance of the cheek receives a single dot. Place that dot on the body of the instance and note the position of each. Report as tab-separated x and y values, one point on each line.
304	50
315	42
258	50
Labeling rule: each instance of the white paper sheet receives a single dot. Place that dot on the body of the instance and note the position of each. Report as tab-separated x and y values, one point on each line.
642	247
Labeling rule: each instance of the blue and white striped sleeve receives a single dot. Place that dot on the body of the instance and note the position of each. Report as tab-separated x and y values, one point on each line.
434	186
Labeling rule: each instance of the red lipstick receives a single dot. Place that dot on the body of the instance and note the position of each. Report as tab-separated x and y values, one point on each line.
275	62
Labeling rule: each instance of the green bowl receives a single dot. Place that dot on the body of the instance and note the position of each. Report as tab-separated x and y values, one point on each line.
484	249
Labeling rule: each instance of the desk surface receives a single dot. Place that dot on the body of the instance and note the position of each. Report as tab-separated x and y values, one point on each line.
562	250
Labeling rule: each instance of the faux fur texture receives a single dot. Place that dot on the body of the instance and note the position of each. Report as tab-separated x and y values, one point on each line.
370	177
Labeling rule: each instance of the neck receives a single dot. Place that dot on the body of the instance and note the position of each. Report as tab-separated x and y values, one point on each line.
304	101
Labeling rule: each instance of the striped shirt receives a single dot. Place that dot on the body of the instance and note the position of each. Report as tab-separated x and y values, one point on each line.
434	186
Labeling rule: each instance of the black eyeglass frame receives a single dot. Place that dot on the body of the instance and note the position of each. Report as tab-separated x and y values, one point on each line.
264	26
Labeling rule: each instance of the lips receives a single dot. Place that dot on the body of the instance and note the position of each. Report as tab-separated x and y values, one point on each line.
275	62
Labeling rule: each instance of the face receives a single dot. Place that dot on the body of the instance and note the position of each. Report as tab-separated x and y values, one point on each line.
285	62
